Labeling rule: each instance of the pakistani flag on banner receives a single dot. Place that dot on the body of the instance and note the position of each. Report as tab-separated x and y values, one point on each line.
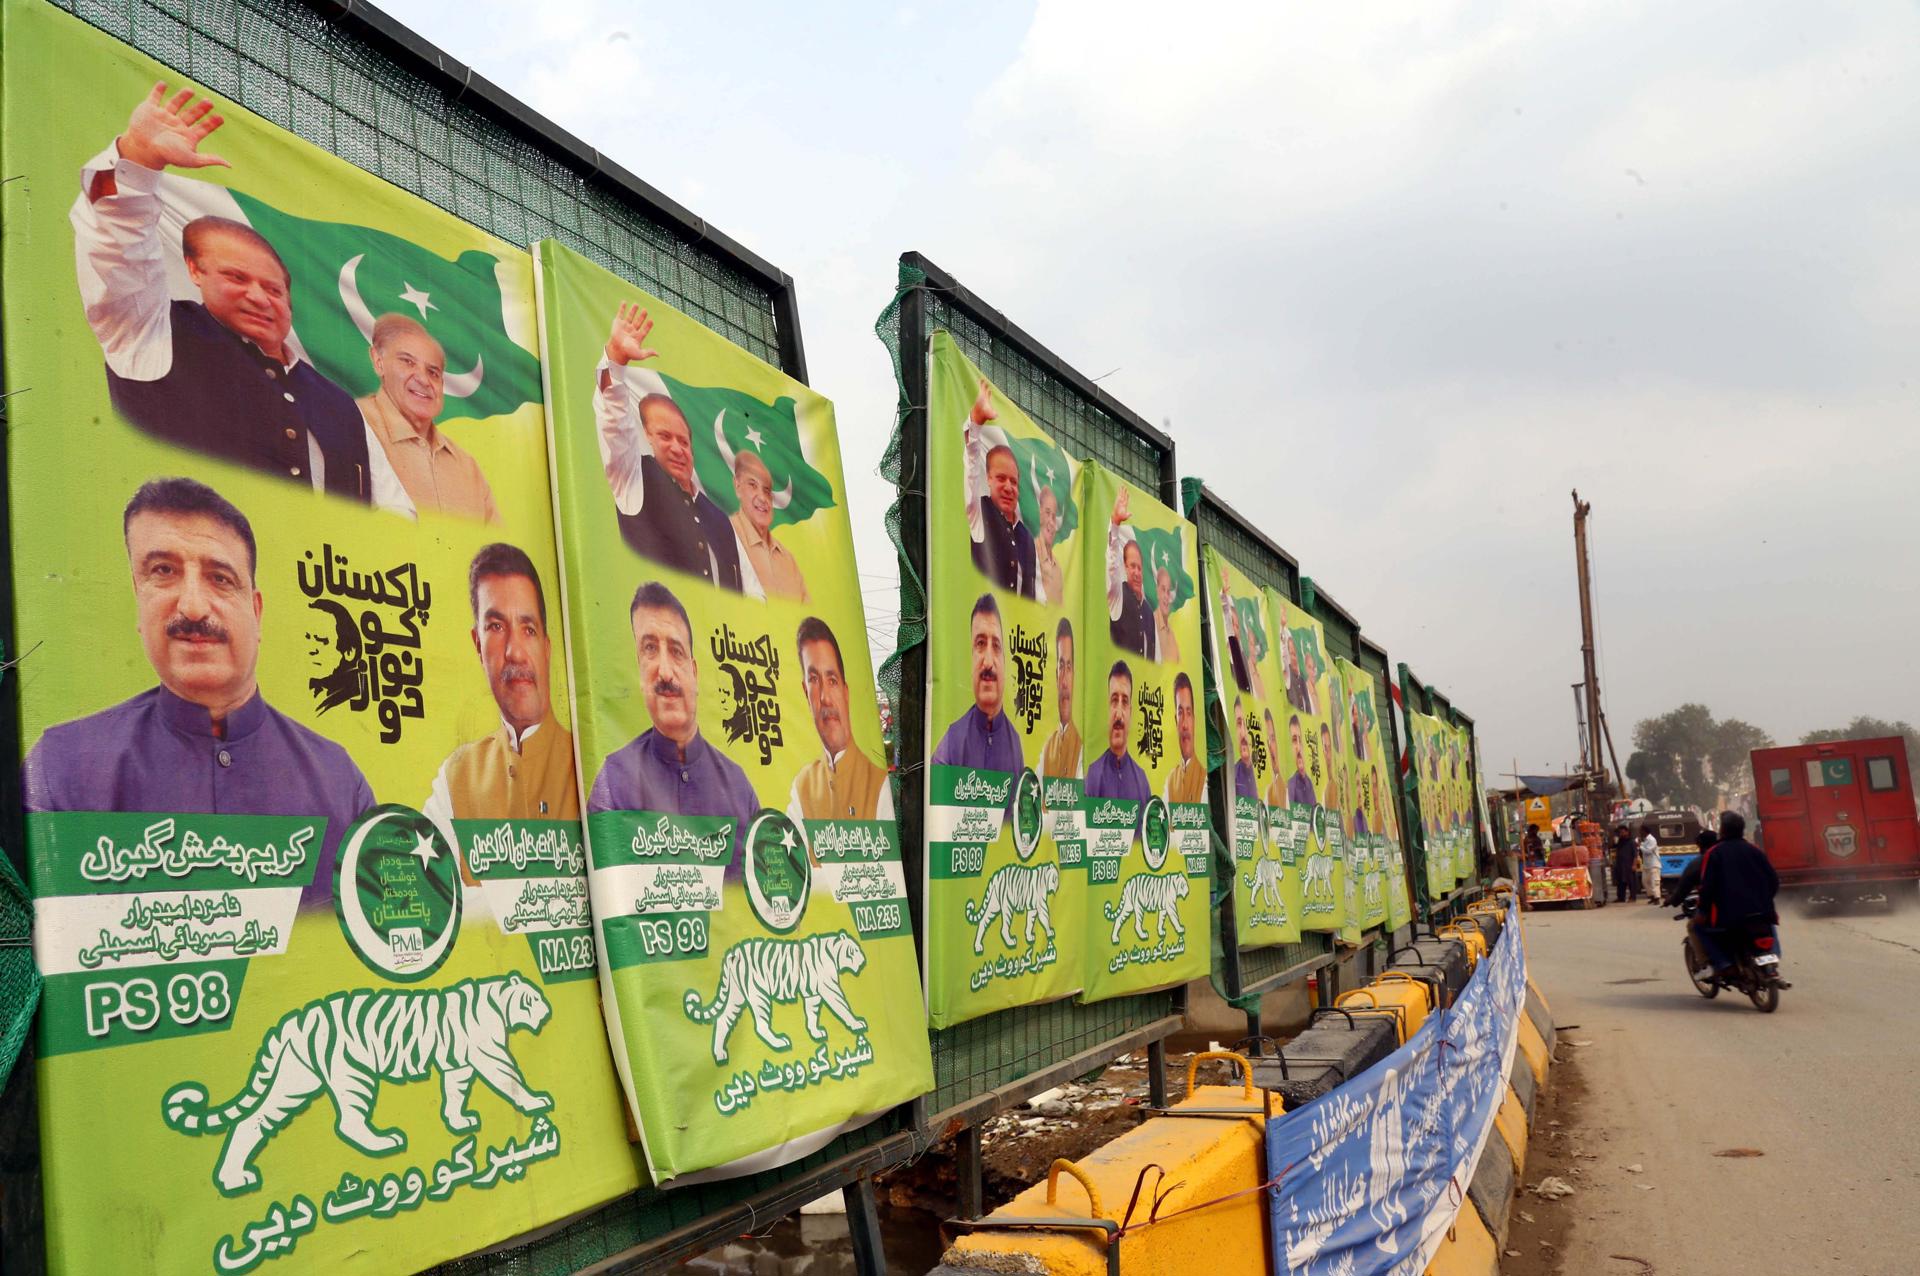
1364	700
1253	621
346	276
727	422
1044	465
1307	643
1161	548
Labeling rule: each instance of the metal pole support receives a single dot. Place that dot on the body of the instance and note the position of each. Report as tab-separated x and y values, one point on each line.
863	1226
970	1169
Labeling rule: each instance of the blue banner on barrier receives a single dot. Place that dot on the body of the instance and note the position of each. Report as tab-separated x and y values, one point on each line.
1371	1175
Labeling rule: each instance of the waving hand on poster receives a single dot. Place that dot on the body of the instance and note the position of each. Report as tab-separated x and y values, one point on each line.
190	371
646	449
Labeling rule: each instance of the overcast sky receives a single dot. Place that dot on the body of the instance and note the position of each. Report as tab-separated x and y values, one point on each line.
1399	276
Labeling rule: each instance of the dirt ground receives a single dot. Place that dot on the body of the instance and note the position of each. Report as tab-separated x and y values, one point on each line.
1022	1142
1537	1235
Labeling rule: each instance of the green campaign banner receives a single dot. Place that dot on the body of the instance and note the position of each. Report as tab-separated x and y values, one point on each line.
756	952
1266	868
1429	747
1380	798
1346	818
1146	815
302	819
1358	730
1462	804
1309	758
1005	864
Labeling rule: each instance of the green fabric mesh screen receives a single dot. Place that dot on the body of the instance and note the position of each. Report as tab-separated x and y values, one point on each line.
19	977
973	1058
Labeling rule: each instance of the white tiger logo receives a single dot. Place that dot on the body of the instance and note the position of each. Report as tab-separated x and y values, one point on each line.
1264	882
1017	888
1145	893
345	1044
1318	879
758	972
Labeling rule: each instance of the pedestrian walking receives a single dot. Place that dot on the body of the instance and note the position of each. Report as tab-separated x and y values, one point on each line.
1626	866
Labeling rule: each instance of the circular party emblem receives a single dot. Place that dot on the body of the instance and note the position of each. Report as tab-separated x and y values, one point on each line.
779	870
1026	814
396	888
1158	832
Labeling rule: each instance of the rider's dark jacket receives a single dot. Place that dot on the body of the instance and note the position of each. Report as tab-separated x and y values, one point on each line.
1737	881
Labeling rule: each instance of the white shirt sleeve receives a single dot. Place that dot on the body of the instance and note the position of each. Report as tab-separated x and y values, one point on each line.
623	443
793	805
750	583
122	273
389	493
975	452
883	809
1118	535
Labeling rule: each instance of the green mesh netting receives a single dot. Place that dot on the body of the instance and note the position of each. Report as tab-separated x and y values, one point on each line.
912	631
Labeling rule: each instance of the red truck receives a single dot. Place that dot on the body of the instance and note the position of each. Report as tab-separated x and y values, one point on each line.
1838	819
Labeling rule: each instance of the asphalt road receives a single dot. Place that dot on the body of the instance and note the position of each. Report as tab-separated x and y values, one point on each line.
1827	1089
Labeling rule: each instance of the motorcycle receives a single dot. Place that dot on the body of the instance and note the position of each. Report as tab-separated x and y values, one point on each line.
1755	953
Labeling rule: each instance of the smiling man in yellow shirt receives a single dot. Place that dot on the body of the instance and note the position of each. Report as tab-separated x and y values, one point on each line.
524	769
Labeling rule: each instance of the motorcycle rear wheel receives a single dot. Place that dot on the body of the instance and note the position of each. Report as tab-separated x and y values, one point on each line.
1699	972
1765	995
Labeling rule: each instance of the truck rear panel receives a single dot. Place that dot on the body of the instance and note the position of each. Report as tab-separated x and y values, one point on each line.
1841	812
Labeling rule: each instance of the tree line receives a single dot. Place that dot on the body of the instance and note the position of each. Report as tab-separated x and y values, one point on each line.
1687	757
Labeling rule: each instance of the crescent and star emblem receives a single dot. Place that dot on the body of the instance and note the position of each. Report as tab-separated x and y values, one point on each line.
458	385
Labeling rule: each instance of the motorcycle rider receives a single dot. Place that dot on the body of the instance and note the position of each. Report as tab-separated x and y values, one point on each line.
1737	881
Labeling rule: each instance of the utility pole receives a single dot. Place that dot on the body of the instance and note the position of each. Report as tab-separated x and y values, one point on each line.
1596	793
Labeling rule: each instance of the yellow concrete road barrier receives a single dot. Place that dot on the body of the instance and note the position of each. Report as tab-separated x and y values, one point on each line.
1535	1050
1511	1121
1470	936
1405	999
1174	1194
1469	1249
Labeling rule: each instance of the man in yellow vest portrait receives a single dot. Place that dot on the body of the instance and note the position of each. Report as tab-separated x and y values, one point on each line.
843	783
1061	758
1188	781
524	769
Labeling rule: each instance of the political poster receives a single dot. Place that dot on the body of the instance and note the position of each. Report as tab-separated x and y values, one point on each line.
1360	746
302	819
1454	785
1427	734
1368	1178
1266	873
1309	758
1386	801
1348	848
1005	845
756	955
1145	807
